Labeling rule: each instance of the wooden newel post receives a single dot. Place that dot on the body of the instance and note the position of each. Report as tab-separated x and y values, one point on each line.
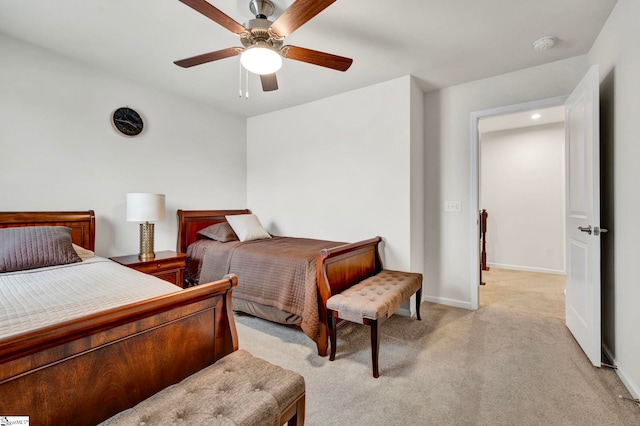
483	237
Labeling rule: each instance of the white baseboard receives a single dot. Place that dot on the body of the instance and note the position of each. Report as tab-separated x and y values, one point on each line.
408	308
449	302
632	387
404	312
526	268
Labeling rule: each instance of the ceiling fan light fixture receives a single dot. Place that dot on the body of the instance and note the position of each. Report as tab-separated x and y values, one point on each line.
261	59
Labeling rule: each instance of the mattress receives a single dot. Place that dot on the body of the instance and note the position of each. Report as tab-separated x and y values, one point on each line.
37	298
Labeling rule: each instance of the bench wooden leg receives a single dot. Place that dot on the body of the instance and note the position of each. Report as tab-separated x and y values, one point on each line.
331	324
375	344
418	302
298	417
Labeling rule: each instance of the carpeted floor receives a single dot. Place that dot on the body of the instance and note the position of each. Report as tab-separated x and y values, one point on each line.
512	362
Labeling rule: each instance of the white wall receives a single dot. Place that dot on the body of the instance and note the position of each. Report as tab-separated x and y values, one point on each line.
449	238
522	188
417	179
341	169
617	53
58	150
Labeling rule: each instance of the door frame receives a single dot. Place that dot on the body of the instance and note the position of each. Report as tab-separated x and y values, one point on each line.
474	167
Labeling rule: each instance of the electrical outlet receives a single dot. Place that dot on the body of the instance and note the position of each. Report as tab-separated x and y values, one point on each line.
452	206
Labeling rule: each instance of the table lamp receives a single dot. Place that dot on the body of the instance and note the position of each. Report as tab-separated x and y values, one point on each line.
145	208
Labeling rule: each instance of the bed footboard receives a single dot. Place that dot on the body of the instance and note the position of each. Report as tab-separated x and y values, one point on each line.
85	371
339	268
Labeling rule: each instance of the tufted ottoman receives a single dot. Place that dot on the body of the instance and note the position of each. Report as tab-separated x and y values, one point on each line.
370	302
239	389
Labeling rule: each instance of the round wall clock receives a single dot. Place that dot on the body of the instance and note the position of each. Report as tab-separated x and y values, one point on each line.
127	121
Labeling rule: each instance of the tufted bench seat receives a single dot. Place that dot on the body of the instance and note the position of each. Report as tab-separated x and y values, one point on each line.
370	302
238	389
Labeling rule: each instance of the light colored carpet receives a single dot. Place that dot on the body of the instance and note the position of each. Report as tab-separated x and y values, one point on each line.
512	362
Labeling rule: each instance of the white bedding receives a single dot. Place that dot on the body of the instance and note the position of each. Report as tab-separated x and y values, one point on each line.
40	297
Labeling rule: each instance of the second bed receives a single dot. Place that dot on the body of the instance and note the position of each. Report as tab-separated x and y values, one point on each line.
278	278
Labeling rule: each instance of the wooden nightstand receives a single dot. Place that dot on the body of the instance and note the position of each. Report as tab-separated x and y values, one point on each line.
167	265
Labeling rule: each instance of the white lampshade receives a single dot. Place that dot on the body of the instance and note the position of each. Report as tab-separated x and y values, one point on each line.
261	59
143	207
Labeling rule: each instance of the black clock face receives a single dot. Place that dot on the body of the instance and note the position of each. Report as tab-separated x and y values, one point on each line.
127	121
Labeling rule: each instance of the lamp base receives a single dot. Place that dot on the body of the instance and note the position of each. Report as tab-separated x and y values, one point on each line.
146	242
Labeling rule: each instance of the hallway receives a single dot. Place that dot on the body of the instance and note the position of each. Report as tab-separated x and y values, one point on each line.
532	292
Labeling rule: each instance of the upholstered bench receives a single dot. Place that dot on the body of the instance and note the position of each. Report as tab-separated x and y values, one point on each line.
370	302
238	389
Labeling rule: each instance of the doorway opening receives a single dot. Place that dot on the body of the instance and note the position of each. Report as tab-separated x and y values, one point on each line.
522	184
484	122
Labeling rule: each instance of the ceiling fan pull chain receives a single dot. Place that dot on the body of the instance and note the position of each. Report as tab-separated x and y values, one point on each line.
240	80
246	82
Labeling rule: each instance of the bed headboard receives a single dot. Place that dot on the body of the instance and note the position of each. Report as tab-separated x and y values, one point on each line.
82	224
191	221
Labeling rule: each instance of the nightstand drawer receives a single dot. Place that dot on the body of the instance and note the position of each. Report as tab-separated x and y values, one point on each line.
154	267
167	265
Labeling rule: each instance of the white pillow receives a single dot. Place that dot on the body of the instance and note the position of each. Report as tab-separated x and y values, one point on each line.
247	227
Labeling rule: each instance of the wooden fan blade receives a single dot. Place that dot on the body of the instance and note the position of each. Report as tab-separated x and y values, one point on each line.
269	82
327	60
209	57
215	15
297	14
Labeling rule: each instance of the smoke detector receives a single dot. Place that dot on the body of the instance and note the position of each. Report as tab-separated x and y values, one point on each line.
544	43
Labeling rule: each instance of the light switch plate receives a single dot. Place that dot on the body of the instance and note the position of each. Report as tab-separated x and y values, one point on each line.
452	206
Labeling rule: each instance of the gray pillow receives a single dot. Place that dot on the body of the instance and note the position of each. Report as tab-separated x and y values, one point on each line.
31	247
220	232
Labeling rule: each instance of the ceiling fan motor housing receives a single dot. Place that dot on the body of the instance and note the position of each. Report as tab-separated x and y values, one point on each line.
258	31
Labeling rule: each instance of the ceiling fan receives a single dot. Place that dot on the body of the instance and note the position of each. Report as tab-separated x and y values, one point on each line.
263	39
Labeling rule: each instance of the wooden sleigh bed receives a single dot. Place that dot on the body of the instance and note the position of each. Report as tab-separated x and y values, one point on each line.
85	370
356	261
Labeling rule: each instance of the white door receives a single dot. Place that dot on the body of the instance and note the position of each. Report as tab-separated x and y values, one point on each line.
583	215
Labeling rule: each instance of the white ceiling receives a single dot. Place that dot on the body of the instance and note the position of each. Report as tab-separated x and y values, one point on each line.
519	120
440	42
